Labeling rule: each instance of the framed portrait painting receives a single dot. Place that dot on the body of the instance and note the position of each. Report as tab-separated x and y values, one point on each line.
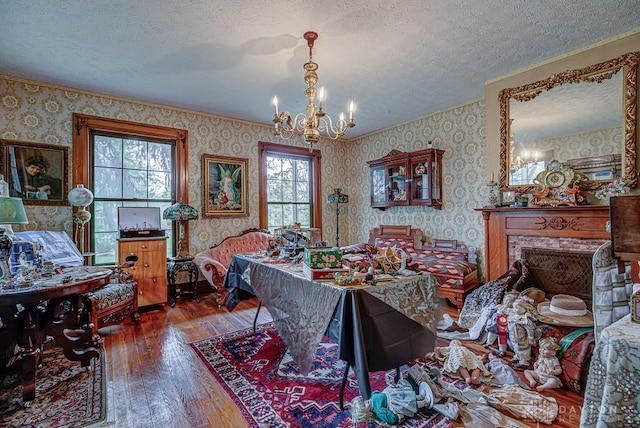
37	173
225	186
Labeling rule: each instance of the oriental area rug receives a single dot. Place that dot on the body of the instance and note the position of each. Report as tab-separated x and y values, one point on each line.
67	395
257	372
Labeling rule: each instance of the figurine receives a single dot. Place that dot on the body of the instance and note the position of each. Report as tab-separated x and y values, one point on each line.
547	368
496	325
461	361
522	330
393	404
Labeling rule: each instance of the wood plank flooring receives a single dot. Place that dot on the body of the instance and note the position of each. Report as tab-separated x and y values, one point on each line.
155	380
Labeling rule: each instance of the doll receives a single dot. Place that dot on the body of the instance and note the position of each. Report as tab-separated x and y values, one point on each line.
461	361
393	404
547	368
523	332
502	372
496	325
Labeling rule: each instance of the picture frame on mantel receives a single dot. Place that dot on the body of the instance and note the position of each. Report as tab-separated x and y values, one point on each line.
36	173
225	186
507	197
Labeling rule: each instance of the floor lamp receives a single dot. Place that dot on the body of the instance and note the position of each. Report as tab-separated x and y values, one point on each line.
80	197
337	197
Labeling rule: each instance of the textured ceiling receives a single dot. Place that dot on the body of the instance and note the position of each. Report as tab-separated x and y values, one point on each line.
397	59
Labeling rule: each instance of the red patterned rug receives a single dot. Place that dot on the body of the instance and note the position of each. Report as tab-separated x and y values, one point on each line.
259	375
67	395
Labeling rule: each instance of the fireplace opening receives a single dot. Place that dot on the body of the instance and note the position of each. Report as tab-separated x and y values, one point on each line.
560	271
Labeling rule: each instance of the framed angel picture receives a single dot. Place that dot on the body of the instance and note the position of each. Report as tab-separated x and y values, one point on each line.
225	186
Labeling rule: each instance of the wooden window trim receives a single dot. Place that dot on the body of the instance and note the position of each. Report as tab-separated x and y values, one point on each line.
316	156
83	125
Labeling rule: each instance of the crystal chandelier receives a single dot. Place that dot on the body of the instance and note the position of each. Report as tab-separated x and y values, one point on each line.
315	121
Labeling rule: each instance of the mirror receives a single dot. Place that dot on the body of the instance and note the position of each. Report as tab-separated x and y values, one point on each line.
584	119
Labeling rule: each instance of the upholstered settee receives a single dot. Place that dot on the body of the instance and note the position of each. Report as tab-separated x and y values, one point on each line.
214	262
452	263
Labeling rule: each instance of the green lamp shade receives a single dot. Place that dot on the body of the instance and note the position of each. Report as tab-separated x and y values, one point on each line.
337	197
180	212
12	211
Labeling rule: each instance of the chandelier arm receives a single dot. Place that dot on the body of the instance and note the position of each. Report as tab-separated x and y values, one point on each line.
333	132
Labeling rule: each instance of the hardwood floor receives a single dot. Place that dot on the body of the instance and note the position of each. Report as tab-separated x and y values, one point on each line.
155	380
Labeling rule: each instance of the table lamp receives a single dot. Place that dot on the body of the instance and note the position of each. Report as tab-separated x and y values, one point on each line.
181	212
337	197
80	197
11	212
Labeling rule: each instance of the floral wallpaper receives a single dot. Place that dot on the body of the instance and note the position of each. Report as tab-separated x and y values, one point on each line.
600	142
460	132
42	113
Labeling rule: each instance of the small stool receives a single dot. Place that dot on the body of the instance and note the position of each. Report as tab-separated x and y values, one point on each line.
176	265
112	303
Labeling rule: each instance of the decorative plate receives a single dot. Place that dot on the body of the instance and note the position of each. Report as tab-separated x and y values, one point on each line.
420	169
555	179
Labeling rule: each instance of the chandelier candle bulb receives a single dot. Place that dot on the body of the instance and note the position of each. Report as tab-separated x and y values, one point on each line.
275	103
351	111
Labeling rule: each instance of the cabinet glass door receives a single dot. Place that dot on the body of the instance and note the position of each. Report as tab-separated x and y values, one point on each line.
378	186
397	183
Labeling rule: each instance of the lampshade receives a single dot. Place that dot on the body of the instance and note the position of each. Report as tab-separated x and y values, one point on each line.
12	211
80	196
337	197
180	212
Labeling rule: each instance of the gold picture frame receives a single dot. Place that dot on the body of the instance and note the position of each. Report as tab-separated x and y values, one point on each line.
225	186
37	173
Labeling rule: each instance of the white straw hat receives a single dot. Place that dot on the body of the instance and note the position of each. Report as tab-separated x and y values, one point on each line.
565	310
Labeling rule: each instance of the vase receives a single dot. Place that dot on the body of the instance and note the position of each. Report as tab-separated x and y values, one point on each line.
522	203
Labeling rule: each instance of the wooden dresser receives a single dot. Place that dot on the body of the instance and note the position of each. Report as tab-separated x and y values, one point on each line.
150	271
587	222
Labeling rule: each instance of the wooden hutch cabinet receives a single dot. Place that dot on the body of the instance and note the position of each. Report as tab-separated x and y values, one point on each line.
401	179
150	271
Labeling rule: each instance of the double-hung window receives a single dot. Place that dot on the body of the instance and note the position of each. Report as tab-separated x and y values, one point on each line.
126	165
289	187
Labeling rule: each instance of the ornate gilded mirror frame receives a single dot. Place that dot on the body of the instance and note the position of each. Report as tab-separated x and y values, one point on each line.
595	74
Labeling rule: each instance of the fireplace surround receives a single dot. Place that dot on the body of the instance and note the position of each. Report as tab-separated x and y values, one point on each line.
508	230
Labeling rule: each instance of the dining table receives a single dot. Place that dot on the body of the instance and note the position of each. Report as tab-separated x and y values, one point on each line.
377	327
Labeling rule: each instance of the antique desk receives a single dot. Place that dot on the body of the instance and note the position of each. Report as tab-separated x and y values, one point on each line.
50	307
176	265
377	328
612	395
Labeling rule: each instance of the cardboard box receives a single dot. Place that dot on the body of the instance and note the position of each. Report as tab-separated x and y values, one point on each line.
322	258
321	274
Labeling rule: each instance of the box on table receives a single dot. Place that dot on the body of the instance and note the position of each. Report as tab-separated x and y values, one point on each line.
322	258
321	274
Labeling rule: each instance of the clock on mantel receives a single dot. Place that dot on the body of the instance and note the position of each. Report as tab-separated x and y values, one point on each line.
559	186
407	178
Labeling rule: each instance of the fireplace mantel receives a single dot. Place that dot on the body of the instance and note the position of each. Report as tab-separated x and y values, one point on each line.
587	222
